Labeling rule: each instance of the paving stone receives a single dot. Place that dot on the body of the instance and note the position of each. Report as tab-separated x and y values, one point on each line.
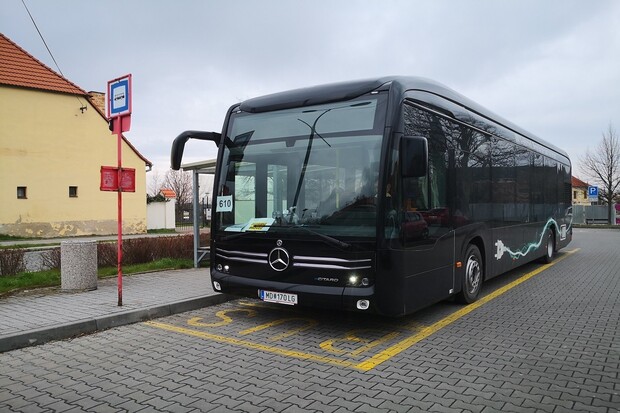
546	345
604	403
581	407
320	407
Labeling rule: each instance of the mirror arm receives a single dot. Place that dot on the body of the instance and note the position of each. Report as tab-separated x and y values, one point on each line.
178	145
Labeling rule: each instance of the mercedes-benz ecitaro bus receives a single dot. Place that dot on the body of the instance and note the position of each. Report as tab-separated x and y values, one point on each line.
382	195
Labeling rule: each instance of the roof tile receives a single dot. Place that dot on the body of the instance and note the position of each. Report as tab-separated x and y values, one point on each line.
168	193
20	68
578	183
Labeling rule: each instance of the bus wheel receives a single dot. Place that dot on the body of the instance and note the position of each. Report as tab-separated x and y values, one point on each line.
472	276
549	247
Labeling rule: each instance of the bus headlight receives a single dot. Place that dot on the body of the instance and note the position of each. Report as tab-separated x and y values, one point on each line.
363	304
217	286
356	281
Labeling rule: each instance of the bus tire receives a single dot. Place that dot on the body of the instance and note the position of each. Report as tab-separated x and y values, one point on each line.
473	275
549	247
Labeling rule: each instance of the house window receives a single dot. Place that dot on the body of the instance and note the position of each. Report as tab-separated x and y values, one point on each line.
574	194
73	192
21	192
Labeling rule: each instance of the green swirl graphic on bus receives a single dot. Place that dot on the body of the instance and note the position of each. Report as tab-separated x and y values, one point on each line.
527	248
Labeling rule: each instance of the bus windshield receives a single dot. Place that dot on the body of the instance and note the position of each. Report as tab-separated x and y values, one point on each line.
312	167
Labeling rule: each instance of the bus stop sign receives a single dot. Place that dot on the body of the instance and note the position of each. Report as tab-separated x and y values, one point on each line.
119	102
119	97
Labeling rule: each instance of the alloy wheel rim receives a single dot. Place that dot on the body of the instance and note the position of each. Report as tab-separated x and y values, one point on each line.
473	274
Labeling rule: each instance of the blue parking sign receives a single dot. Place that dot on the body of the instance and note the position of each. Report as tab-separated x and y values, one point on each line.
593	192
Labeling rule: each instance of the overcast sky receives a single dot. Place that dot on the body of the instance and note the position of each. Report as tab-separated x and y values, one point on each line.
551	67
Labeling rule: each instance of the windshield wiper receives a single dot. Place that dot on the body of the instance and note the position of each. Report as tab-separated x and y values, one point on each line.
331	240
312	128
240	234
304	166
313	133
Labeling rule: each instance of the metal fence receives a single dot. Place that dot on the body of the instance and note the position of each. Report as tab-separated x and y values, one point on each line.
185	217
594	214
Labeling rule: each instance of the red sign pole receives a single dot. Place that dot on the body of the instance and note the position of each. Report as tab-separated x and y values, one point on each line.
119	112
118	129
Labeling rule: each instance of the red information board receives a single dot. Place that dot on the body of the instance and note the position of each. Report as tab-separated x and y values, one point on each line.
109	179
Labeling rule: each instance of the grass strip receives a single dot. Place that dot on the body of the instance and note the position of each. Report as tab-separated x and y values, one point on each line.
51	278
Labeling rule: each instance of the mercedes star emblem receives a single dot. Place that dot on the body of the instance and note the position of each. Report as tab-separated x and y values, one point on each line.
279	259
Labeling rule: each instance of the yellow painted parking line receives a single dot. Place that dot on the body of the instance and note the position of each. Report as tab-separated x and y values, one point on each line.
433	328
249	344
378	358
222	315
352	336
309	323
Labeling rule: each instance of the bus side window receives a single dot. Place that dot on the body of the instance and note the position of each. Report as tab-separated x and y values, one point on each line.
415	190
428	194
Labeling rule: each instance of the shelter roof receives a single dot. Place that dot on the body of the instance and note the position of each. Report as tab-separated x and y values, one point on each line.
202	167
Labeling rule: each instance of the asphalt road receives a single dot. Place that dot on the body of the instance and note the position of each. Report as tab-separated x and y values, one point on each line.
543	338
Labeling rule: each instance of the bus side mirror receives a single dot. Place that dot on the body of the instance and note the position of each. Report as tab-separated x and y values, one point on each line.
413	156
178	145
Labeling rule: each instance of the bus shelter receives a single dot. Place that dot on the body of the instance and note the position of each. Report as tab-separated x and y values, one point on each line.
197	169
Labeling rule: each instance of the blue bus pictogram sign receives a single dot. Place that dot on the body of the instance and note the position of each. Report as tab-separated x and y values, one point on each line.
119	97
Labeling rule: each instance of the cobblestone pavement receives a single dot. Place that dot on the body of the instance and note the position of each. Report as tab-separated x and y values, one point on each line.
47	314
550	343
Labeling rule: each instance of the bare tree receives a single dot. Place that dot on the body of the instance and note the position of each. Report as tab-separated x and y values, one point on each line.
156	182
603	166
181	183
206	187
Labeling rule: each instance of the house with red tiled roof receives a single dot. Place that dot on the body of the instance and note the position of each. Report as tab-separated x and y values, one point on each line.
54	140
160	210
168	193
580	191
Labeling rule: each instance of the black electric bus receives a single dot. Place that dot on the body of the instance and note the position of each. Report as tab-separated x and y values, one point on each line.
383	195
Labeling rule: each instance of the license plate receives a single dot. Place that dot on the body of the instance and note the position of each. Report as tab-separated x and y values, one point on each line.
276	297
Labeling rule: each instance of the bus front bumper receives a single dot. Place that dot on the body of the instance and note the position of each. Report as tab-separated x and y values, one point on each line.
317	296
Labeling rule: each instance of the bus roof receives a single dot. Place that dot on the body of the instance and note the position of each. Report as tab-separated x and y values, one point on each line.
334	92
